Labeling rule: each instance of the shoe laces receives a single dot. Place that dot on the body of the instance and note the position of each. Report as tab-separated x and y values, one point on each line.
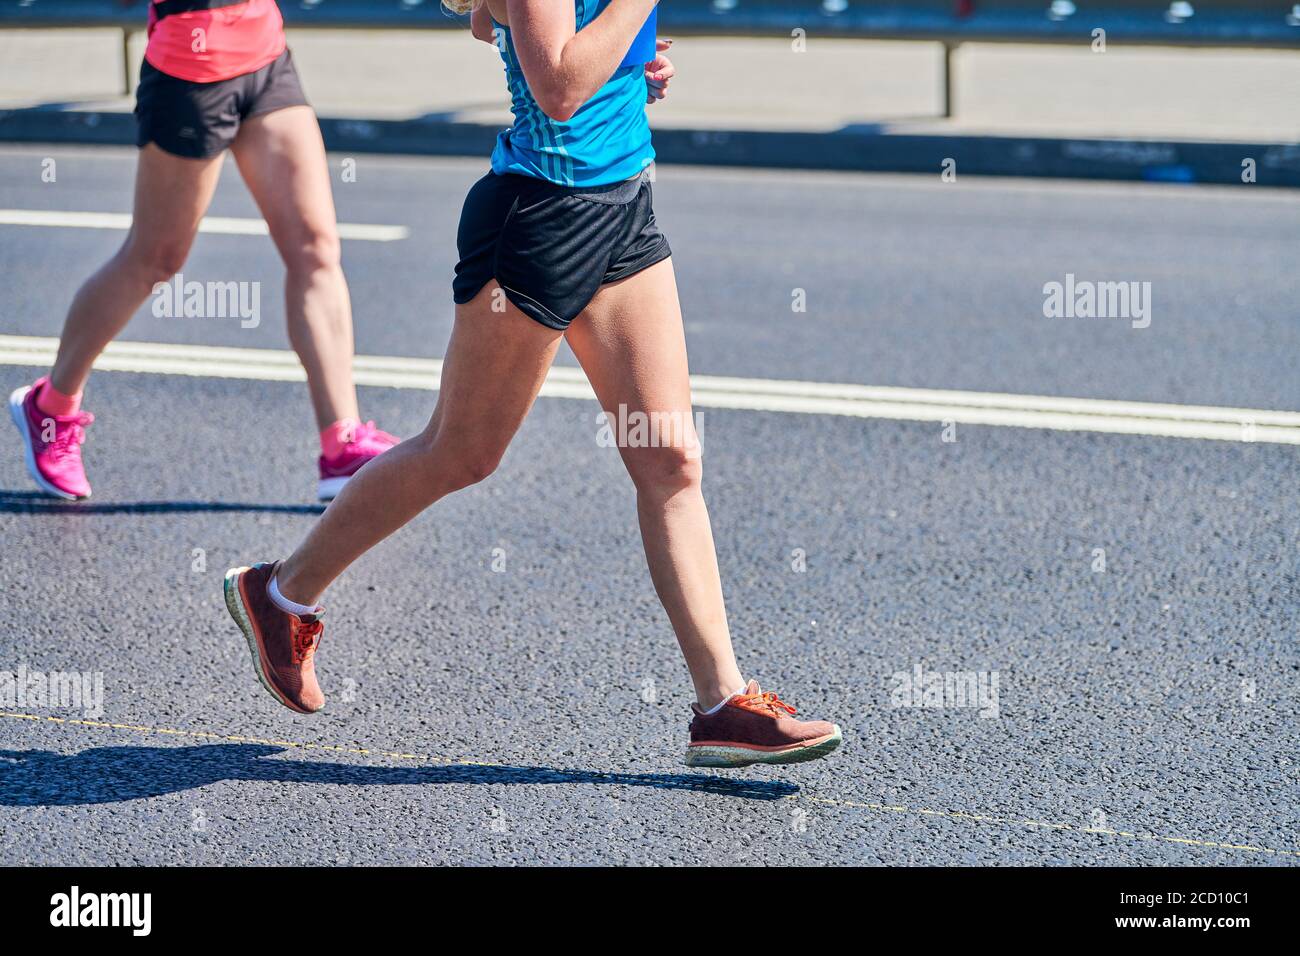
305	635
70	436
764	703
372	431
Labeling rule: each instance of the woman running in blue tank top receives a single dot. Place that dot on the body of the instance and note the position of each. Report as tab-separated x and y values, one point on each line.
558	241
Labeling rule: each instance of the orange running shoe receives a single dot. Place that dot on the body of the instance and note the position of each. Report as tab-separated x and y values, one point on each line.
757	727
283	644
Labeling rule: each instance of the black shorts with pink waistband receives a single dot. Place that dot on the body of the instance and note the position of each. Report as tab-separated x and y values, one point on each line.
200	120
552	247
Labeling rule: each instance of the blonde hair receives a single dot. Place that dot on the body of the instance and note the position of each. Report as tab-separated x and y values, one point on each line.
460	6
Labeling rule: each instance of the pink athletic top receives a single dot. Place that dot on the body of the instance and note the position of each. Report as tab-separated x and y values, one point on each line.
218	44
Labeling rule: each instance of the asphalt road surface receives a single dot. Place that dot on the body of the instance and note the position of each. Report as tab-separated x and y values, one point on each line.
504	687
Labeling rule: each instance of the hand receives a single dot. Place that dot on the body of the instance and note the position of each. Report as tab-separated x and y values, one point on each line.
658	73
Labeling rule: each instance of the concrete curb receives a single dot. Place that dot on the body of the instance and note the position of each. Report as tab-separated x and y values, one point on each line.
1276	164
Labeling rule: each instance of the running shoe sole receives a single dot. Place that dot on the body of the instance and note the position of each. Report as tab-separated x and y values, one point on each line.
19	415
239	611
328	488
716	755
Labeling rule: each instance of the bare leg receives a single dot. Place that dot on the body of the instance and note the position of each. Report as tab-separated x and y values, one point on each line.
282	159
631	345
494	366
171	196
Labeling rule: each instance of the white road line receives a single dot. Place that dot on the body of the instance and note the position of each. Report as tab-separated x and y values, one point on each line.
218	225
711	391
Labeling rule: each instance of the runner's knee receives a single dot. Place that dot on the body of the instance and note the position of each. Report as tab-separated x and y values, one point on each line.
665	471
464	470
316	252
458	461
159	259
477	468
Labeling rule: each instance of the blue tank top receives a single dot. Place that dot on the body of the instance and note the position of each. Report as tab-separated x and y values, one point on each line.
606	141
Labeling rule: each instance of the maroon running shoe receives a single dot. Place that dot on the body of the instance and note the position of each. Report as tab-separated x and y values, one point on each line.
757	727
283	644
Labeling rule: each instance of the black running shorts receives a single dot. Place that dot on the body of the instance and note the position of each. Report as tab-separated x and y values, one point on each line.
551	247
198	120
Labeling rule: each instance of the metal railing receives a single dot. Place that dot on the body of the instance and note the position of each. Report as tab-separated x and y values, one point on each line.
1238	23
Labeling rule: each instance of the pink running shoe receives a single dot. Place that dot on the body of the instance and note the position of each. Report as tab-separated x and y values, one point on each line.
51	444
367	442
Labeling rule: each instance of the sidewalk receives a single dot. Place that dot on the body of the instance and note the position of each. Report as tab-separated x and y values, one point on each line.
891	90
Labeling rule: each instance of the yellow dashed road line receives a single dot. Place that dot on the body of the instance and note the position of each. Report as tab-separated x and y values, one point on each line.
1041	824
821	801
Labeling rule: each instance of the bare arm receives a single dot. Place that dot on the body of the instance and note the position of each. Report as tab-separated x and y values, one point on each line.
565	67
480	24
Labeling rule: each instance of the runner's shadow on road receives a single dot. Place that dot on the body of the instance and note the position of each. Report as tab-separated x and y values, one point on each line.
35	503
42	778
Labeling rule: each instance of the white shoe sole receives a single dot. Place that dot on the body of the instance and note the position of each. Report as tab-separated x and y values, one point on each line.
235	605
19	415
328	488
745	756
